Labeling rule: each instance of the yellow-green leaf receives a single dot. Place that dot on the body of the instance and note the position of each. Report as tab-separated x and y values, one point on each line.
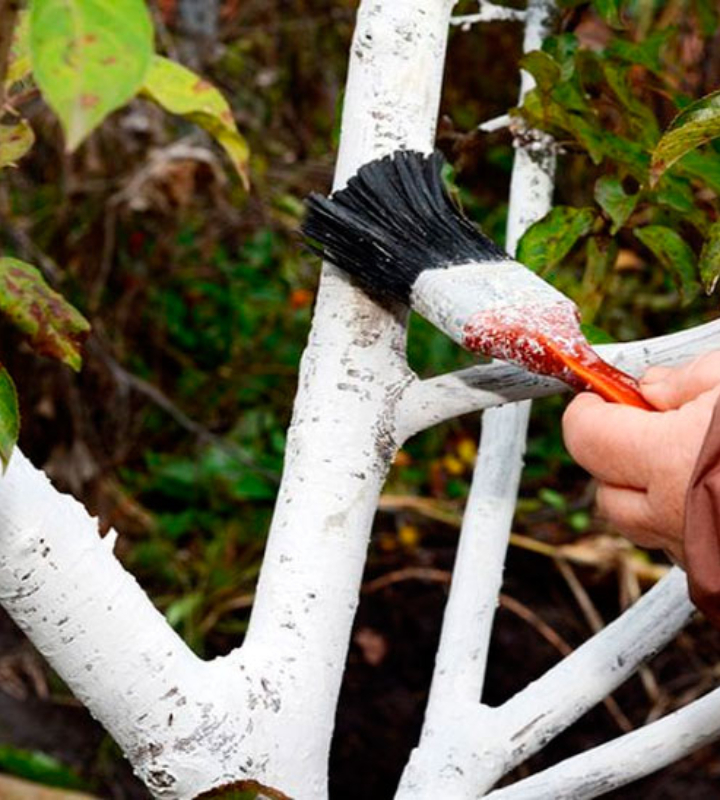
698	124
15	140
9	417
89	57
19	65
180	91
709	263
546	243
675	254
54	327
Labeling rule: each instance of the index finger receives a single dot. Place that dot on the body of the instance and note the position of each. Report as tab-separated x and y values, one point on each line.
668	388
615	443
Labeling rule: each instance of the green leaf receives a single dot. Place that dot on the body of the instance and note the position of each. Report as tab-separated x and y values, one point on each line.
542	111
19	65
704	166
602	254
38	767
596	335
611	197
543	68
9	417
709	264
183	608
629	154
675	254
698	124
646	53
54	327
563	48
675	193
642	119
182	92
609	10
548	241
15	140
89	58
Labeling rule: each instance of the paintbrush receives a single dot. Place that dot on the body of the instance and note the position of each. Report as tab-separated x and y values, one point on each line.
396	231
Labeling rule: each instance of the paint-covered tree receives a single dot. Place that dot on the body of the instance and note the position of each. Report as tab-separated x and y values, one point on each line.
263	715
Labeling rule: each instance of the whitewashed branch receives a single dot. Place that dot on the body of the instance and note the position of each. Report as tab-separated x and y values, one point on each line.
495	124
488	12
447	763
624	759
553	702
64	587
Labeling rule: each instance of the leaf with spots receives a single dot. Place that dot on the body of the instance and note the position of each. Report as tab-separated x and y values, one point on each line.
9	417
548	241
15	140
698	124
182	92
89	57
675	254
53	326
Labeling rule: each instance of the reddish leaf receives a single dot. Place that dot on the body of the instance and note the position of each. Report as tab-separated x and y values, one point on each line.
54	327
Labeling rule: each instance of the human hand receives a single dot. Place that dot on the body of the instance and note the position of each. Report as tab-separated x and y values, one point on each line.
643	460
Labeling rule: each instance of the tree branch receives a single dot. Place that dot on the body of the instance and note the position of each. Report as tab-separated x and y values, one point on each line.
488	12
625	759
445	764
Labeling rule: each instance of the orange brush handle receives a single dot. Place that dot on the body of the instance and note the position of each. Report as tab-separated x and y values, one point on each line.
609	382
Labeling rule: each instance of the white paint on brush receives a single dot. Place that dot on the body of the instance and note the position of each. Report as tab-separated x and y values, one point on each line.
450	298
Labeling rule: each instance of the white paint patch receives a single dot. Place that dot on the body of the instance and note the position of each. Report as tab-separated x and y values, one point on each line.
450	298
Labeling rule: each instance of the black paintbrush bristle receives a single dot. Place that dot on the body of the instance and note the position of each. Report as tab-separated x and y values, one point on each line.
392	221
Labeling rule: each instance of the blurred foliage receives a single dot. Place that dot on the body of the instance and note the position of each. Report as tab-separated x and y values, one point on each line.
87	61
38	767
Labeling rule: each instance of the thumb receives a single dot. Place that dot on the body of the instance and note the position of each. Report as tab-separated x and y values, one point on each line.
667	388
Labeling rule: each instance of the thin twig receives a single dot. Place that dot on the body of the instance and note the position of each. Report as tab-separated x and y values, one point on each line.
238	603
429	574
590	612
600	552
161	400
488	12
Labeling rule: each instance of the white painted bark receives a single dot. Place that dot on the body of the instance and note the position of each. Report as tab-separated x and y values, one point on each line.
624	759
446	763
266	711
